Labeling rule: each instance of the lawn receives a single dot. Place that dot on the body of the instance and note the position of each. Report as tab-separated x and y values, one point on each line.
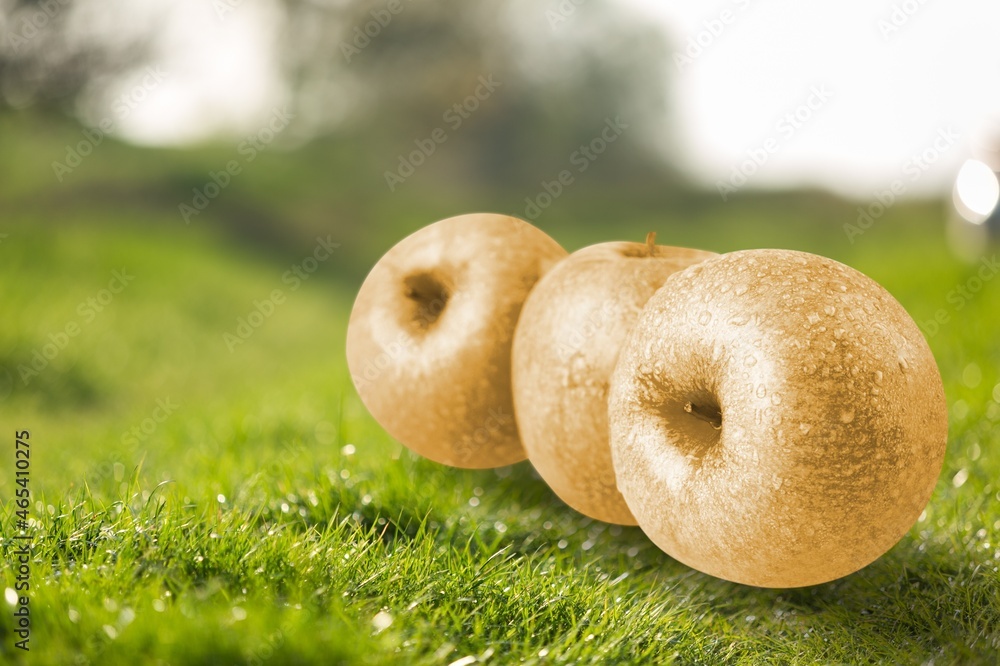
202	501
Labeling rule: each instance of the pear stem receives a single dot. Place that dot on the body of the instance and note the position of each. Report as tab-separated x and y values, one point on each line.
711	416
651	242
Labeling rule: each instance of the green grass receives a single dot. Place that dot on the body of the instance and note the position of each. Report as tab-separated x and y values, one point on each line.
269	520
269	515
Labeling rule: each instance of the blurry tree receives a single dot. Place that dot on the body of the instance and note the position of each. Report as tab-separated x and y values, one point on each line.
52	51
394	70
388	73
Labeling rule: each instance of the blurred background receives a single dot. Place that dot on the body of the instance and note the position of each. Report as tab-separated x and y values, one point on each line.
368	119
212	146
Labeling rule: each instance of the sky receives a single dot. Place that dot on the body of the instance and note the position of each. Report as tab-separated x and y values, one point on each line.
856	96
897	76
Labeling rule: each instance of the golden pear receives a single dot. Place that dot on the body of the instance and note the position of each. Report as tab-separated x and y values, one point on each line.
777	419
429	338
565	347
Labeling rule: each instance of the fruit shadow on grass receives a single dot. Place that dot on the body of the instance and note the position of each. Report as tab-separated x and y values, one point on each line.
554	524
917	596
909	595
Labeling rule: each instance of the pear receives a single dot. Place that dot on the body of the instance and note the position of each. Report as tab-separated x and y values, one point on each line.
429	337
777	419
565	347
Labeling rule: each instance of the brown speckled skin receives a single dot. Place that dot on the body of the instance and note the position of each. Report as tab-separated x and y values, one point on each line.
567	340
443	388
834	420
